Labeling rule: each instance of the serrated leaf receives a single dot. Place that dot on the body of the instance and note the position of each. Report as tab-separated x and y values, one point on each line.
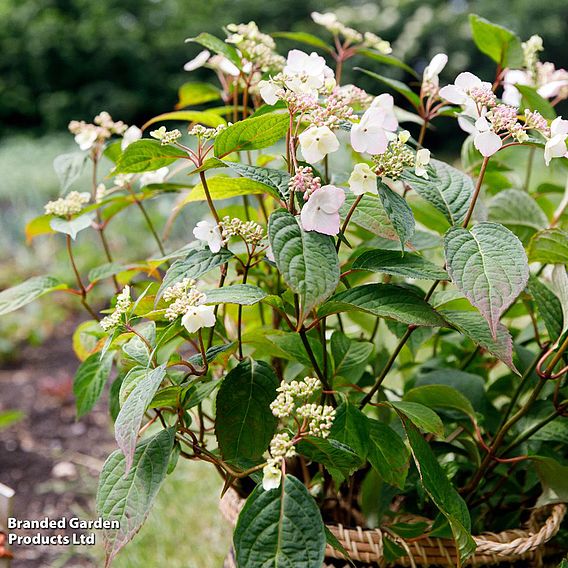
307	260
73	226
440	396
14	298
130	416
136	349
127	496
129	382
207	118
397	86
145	156
192	94
90	380
349	357
243	294
305	38
69	167
489	265
518	211
223	187
475	326
275	179
449	190
398	211
421	416
548	306
370	215
441	491
350	427
392	262
245	424
499	43
280	528
251	134
384	300
549	247
218	46
211	354
105	271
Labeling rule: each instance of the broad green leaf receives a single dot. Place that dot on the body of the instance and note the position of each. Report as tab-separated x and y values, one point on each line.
243	294
218	46
351	427
349	357
211	354
206	118
398	211
489	265
388	454
549	247
421	416
68	168
129	382
275	179
554	480
395	85
441	491
559	281
127	496
136	349
449	190
370	215
384	300
14	298
86	339
145	156
73	226
548	306
193	94
440	396
105	271
387	60
280	528
245	424
251	134
392	262
305	38
291	347
518	211
499	43
533	101
222	187
38	226
132	412
90	380
307	260
113	150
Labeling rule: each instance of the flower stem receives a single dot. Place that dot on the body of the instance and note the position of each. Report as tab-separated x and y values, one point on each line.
346	222
208	197
80	284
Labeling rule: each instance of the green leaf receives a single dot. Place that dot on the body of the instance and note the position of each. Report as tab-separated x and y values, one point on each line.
136	349
351	427
449	190
421	416
10	417
275	179
73	226
280	528
489	265
474	326
106	271
69	167
292	348
245	424
554	480
243	294
499	43
222	187
370	215
211	354
132	412
305	38
549	247
206	118
193	94
387	60
392	262
90	380
145	156
440	396
384	300
395	85
251	134
388	454
398	211
307	260
14	298
126	497
332	541
218	46
349	357
129	382
548	306
441	491
533	101
518	211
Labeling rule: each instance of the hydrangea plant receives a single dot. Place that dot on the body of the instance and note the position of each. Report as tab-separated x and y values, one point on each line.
357	329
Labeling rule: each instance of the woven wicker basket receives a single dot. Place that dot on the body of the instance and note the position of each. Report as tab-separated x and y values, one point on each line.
366	545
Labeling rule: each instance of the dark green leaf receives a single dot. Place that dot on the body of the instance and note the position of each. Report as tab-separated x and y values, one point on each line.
243	294
305	38
499	43
548	306
90	380
275	179
421	416
440	396
351	428
218	46
398	211
147	155
549	247
370	215
392	262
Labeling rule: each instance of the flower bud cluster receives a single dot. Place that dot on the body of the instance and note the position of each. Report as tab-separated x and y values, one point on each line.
207	133
251	232
397	156
123	303
483	96
103	127
535	121
354	96
375	42
320	418
183	296
303	181
166	136
100	192
336	110
256	47
71	204
290	394
330	22
531	49
297	102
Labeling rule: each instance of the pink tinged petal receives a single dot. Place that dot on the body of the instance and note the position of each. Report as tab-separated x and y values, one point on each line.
466	81
332	198
377	141
453	95
487	143
358	138
552	89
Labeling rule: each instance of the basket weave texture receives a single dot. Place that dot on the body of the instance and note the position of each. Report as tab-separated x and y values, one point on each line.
366	545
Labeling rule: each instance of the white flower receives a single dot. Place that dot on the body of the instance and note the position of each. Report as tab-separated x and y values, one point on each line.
434	68
555	146
317	142
459	92
372	133
363	180
306	73
484	139
272	475
422	160
269	92
326	20
156	176
198	61
222	64
209	233
132	134
321	212
86	138
197	317
511	95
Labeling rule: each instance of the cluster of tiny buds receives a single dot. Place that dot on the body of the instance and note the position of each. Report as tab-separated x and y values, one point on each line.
319	418
103	127
123	303
531	48
182	296
375	42
166	136
303	181
336	110
71	204
297	102
206	133
398	156
353	95
503	117
100	192
290	393
535	121
483	96
250	231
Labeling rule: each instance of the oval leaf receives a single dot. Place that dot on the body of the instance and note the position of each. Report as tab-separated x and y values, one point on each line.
392	262
146	156
28	291
90	380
